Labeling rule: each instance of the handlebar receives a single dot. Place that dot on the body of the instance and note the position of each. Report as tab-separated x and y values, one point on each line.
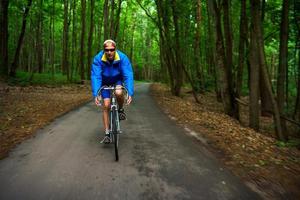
113	88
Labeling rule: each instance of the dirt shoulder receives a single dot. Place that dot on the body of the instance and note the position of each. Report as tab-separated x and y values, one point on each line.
23	110
272	171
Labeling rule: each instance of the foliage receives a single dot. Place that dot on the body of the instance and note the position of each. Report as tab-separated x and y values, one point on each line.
24	79
291	143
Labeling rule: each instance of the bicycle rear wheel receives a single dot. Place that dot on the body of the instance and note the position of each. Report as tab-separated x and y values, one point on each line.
115	133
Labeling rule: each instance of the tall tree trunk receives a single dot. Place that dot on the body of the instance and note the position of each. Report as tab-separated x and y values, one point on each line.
255	6
222	69
210	43
266	105
163	76
146	56
266	101
297	49
65	51
179	63
82	45
242	43
74	63
283	61
4	37
32	45
228	36
297	104
90	38
132	42
53	41
263	8
117	22
15	62
106	19
40	46
112	19
99	34
122	41
50	41
228	56
197	53
167	56
254	68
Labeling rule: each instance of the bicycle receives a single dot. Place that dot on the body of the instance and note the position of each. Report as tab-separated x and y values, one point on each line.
114	125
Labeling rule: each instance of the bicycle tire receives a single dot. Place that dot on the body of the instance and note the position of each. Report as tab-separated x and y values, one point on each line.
115	133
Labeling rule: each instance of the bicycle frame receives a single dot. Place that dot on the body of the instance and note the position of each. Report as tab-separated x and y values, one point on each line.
114	108
114	124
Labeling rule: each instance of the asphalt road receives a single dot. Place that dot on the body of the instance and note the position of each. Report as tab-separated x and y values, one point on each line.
158	160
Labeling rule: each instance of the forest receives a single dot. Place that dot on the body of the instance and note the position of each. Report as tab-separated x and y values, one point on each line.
237	49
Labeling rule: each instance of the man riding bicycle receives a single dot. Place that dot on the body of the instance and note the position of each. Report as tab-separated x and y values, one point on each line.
111	67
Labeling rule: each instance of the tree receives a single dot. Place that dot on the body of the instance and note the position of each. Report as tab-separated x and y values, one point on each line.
106	20
90	37
297	104
52	41
117	22
254	67
39	37
82	39
131	37
266	101
283	60
74	62
166	52
4	37
15	62
257	42
242	54
65	42
199	70
228	57
297	44
178	67
210	44
112	19
223	74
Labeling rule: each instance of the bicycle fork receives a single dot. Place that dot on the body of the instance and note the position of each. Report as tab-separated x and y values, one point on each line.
114	106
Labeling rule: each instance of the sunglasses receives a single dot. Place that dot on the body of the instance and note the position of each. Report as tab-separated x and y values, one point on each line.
111	50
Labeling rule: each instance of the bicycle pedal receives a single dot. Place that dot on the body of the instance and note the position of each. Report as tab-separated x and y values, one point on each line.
106	140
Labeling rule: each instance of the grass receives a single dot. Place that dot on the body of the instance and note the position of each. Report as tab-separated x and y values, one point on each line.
142	81
26	78
290	143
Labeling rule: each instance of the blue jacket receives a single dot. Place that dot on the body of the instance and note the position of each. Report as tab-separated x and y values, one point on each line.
102	70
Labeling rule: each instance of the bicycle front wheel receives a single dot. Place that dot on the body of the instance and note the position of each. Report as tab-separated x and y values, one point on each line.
115	132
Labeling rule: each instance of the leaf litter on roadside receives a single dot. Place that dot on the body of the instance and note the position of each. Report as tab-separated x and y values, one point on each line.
251	155
25	109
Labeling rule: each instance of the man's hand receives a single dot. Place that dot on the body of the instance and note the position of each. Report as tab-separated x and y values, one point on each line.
98	101
129	99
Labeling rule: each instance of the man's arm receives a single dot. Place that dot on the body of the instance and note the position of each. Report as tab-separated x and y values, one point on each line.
96	78
127	75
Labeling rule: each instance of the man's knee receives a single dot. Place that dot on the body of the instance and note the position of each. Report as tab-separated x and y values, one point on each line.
119	90
106	105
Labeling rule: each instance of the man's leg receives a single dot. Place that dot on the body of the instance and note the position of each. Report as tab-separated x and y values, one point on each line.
120	99
120	96
106	109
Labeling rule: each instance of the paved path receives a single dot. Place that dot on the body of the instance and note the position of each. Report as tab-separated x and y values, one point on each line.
157	161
